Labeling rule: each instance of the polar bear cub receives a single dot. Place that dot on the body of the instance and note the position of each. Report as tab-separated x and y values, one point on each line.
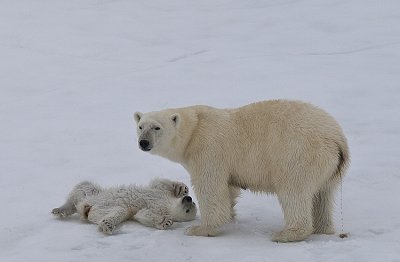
157	205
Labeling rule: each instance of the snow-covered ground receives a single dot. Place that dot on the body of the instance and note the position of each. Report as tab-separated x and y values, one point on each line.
73	72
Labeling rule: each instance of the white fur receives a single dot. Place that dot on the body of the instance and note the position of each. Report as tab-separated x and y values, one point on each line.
157	205
289	148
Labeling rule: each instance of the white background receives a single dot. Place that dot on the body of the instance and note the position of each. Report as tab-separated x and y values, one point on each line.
73	72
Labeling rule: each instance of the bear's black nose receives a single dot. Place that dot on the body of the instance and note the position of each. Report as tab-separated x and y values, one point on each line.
187	199
144	145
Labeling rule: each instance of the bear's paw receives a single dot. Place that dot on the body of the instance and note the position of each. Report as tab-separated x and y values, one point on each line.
165	223
180	190
106	226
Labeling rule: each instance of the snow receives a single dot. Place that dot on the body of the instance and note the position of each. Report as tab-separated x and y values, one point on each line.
72	73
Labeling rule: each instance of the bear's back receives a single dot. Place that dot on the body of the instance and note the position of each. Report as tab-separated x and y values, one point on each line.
284	118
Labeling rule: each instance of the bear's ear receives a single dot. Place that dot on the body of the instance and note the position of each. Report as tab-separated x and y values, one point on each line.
176	118
137	117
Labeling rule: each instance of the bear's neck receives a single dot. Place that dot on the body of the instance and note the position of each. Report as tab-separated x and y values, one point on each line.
185	131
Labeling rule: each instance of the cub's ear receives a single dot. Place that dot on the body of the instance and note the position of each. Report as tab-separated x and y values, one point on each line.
137	116
176	118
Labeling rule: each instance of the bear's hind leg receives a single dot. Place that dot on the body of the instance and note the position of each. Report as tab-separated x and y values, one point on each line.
297	209
78	193
64	211
323	208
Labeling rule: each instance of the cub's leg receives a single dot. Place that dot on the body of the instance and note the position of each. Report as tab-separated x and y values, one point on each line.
108	218
323	208
297	210
178	189
150	218
78	193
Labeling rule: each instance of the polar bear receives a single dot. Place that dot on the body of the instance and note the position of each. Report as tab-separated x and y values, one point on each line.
158	205
289	148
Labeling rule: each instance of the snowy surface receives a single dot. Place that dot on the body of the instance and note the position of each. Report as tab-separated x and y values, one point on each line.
73	72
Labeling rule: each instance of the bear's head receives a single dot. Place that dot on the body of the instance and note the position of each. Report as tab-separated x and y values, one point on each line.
157	131
184	209
167	132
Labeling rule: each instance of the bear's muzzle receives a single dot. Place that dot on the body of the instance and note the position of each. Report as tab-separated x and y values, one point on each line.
145	145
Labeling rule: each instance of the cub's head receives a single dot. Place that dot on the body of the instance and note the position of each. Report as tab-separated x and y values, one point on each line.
156	131
184	209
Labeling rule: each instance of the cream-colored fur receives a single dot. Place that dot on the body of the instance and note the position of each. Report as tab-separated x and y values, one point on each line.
290	148
157	205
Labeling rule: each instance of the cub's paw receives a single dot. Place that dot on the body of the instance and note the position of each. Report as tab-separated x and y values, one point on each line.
60	212
180	189
106	226
201	231
165	223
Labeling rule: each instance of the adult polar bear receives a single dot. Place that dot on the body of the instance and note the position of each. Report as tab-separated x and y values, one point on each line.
289	148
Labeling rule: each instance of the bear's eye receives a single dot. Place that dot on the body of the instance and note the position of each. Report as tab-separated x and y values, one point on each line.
188	210
157	128
140	127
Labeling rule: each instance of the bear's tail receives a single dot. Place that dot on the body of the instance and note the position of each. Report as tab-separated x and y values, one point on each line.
343	159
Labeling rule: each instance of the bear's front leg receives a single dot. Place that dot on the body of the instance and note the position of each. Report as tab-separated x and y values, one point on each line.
215	206
153	218
114	216
178	189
